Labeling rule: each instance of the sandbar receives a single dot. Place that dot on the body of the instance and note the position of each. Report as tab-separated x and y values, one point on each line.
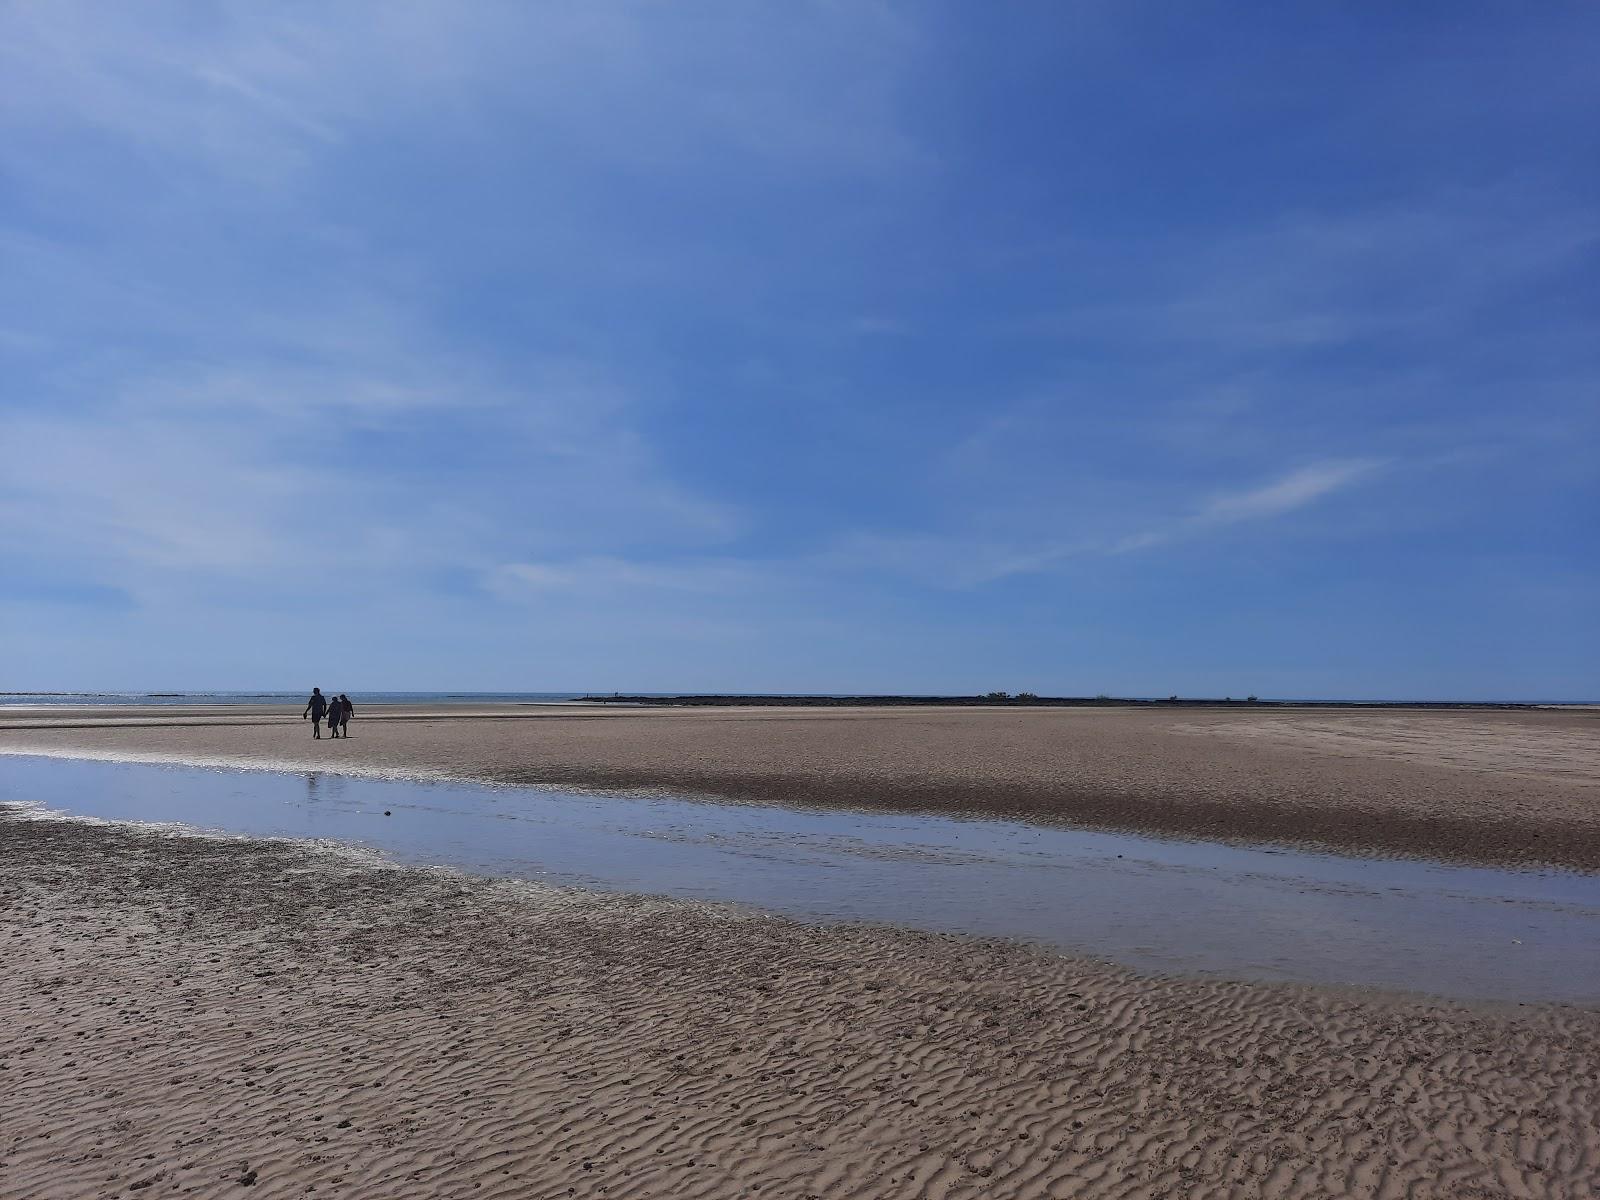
1499	787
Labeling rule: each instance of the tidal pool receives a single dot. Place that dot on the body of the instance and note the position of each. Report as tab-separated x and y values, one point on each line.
1184	907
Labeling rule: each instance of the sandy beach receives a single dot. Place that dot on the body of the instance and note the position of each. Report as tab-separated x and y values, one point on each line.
190	1014
1479	786
187	1015
938	602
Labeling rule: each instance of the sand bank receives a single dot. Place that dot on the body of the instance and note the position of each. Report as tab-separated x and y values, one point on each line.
1495	787
188	1014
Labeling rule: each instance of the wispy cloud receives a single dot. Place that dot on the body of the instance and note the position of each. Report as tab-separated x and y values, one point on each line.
1294	490
602	574
1311	280
1297	489
254	470
262	95
967	561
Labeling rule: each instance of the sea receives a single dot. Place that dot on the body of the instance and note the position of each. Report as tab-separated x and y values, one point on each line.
187	699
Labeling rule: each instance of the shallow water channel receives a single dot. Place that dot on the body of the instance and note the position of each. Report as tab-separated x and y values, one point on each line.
1186	907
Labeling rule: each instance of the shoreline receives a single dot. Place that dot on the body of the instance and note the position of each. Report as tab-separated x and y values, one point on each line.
189	1012
389	774
1500	788
1197	909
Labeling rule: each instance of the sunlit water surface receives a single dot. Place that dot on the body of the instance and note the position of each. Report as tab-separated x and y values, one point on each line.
1190	907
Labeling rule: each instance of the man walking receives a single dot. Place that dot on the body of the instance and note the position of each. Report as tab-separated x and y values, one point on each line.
315	707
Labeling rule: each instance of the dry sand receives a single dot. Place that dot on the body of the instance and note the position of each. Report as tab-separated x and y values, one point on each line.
1484	786
187	1015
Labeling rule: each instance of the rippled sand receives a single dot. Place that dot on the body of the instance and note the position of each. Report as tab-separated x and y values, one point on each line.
187	1015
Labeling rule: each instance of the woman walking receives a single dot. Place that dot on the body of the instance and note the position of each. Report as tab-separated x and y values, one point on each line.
345	709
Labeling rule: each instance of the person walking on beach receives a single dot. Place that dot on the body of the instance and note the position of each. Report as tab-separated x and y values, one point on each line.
315	708
345	709
333	715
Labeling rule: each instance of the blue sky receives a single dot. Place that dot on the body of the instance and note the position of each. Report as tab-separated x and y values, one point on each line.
1099	347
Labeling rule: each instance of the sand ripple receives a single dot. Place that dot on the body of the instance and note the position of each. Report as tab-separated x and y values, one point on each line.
189	1015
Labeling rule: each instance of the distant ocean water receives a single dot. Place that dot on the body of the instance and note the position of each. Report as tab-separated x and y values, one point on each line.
181	699
185	699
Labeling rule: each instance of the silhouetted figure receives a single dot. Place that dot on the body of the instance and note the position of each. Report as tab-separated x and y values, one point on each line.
315	708
345	709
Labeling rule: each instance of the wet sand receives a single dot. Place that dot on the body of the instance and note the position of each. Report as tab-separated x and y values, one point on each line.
1480	786
186	1015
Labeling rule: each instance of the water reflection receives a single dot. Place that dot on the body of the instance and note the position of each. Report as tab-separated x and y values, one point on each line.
1189	907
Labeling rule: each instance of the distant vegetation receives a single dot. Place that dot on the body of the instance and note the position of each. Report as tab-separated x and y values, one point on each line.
730	700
